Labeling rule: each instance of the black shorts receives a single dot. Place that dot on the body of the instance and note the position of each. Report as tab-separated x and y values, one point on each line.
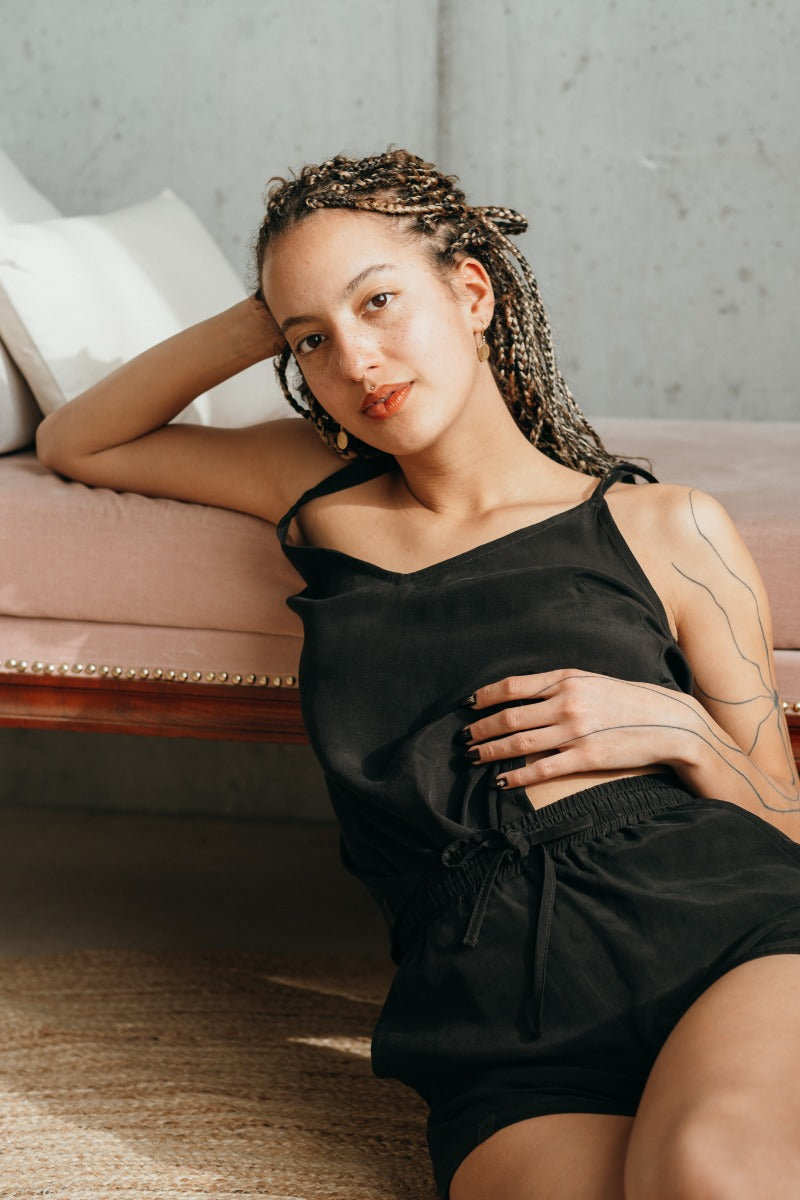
544	964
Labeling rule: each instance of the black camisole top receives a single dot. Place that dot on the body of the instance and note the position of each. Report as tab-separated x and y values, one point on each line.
389	657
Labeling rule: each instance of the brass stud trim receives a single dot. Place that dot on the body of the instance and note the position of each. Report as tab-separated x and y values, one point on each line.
121	674
171	674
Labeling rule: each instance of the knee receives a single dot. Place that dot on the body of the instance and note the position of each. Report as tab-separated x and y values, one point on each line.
711	1155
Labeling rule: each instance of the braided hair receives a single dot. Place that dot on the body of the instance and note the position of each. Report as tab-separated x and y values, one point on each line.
431	207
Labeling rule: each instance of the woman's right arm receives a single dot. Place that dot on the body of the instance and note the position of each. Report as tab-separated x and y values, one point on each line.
117	434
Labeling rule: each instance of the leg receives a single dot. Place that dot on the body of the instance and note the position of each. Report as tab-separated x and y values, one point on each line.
720	1116
566	1156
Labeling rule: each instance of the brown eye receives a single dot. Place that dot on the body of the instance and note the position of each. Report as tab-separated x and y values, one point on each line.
380	300
308	344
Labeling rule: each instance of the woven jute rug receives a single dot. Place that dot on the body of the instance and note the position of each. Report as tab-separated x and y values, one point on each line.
192	1075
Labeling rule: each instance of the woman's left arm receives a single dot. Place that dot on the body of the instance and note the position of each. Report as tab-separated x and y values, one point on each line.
729	740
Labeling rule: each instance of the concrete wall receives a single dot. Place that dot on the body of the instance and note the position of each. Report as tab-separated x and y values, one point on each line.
654	148
56	770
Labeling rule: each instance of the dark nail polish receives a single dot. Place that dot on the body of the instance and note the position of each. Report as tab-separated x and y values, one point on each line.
502	782
465	735
470	701
473	756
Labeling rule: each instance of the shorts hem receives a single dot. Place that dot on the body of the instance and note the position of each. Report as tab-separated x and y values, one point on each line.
782	949
484	1123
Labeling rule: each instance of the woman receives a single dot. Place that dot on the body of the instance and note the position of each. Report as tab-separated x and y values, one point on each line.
543	698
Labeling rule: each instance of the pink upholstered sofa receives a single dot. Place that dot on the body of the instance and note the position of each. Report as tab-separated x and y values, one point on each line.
124	613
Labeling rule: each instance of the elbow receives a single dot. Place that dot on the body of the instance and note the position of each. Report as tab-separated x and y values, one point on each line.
50	449
46	446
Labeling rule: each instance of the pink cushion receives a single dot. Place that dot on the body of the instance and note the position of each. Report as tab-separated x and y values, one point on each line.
76	553
787	670
41	643
95	576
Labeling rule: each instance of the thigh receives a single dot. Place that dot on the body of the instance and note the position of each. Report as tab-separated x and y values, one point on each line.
720	1114
561	1156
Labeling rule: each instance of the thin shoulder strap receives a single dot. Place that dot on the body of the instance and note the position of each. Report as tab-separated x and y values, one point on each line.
359	471
620	471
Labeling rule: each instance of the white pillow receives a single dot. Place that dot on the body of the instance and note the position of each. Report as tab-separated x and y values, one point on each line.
81	295
19	414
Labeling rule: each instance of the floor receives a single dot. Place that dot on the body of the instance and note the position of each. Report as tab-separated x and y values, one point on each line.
76	880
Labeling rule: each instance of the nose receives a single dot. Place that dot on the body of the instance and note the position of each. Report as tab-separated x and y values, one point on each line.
358	353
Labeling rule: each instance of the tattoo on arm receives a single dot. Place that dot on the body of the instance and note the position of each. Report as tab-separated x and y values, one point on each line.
765	694
723	747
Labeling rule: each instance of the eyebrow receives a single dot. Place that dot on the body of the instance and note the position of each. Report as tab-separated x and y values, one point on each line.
347	291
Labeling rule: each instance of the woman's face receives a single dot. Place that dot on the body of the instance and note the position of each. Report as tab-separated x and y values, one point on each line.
361	305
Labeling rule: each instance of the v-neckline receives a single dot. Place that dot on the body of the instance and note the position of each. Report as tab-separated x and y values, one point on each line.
335	483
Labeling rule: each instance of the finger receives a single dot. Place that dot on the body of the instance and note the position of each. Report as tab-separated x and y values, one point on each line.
509	721
526	742
514	688
554	766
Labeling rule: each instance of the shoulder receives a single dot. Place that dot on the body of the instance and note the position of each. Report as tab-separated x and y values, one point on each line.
683	519
688	546
294	457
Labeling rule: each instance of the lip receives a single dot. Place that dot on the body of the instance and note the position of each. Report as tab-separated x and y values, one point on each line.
385	400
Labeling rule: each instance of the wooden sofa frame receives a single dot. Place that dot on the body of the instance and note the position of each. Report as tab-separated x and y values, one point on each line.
259	710
36	697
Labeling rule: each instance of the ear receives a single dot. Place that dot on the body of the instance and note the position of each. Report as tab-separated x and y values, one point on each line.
475	285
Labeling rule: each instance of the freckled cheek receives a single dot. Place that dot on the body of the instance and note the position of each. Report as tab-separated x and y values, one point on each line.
325	382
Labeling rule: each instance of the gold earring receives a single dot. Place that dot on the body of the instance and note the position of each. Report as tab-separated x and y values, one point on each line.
342	440
483	349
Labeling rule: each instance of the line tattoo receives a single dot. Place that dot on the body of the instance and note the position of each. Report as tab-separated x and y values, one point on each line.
766	690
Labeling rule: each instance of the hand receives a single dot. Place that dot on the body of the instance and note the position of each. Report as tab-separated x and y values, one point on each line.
576	722
262	325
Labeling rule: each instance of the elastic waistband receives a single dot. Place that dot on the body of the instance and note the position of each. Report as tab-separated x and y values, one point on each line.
575	818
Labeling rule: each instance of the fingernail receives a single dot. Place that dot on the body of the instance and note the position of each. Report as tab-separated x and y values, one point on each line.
464	735
470	701
502	782
473	756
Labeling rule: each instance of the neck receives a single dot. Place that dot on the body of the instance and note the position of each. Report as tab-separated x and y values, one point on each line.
482	462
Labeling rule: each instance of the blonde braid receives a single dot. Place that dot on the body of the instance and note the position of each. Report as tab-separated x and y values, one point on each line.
432	207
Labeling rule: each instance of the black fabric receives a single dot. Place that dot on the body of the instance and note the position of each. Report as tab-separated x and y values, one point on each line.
388	659
656	896
544	955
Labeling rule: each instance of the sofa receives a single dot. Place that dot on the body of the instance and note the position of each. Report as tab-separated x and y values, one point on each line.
129	614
